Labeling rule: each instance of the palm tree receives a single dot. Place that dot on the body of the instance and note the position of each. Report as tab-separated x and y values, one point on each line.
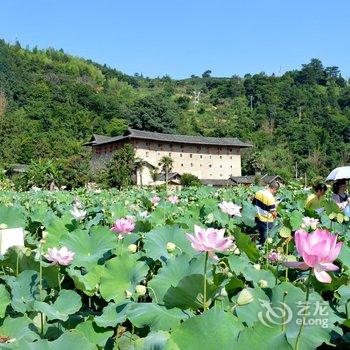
167	164
139	165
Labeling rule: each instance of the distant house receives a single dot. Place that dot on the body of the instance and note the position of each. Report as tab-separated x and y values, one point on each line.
252	179
208	158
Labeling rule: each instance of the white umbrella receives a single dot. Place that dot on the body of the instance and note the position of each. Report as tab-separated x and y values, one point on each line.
342	172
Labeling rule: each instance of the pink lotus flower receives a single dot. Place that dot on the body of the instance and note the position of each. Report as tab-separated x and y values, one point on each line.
173	199
318	250
155	200
230	208
274	256
209	240
124	226
61	256
309	222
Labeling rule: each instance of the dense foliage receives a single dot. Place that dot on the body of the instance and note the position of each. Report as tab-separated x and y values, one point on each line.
51	102
145	291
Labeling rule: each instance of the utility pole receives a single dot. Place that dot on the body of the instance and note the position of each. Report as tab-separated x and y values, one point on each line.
296	170
251	103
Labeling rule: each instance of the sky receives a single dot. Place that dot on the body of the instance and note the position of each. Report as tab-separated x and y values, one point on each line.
180	38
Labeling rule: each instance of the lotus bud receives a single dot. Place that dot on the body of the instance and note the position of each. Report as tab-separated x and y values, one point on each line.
44	234
170	247
128	294
141	290
263	284
3	226
244	297
256	266
223	292
132	248
269	240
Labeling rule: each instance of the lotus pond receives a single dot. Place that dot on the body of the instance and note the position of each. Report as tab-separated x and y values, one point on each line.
177	272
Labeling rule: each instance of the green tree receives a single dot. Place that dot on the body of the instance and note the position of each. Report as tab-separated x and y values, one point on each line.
166	163
190	180
120	170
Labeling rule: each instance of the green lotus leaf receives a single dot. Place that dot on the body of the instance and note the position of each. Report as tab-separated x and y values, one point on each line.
155	242
12	216
214	329
121	274
171	274
67	303
155	316
93	333
5	300
90	248
113	314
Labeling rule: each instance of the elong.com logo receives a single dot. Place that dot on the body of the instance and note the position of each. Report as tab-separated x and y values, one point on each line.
309	313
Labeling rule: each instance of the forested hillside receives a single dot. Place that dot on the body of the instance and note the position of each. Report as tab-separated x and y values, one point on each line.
51	102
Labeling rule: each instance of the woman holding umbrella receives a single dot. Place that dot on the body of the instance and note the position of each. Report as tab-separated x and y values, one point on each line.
339	194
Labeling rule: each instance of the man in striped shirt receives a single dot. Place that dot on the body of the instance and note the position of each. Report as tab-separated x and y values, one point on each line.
265	205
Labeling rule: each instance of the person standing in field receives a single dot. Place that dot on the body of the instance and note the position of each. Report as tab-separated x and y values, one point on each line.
266	213
316	201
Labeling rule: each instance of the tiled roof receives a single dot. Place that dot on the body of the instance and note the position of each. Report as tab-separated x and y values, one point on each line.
249	179
217	182
156	136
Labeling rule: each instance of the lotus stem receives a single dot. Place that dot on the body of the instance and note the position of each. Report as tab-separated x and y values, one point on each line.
41	288
17	263
304	313
205	282
59	279
286	257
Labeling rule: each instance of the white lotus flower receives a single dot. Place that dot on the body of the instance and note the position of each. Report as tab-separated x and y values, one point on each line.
77	213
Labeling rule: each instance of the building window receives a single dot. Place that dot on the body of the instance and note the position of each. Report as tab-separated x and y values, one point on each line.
209	165
169	154
158	153
220	175
231	166
220	166
230	149
220	157
190	155
159	144
211	174
201	165
182	164
180	155
230	157
147	144
201	157
146	154
209	157
191	165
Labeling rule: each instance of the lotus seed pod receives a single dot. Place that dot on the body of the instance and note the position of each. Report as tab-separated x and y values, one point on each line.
244	297
132	248
170	247
141	290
